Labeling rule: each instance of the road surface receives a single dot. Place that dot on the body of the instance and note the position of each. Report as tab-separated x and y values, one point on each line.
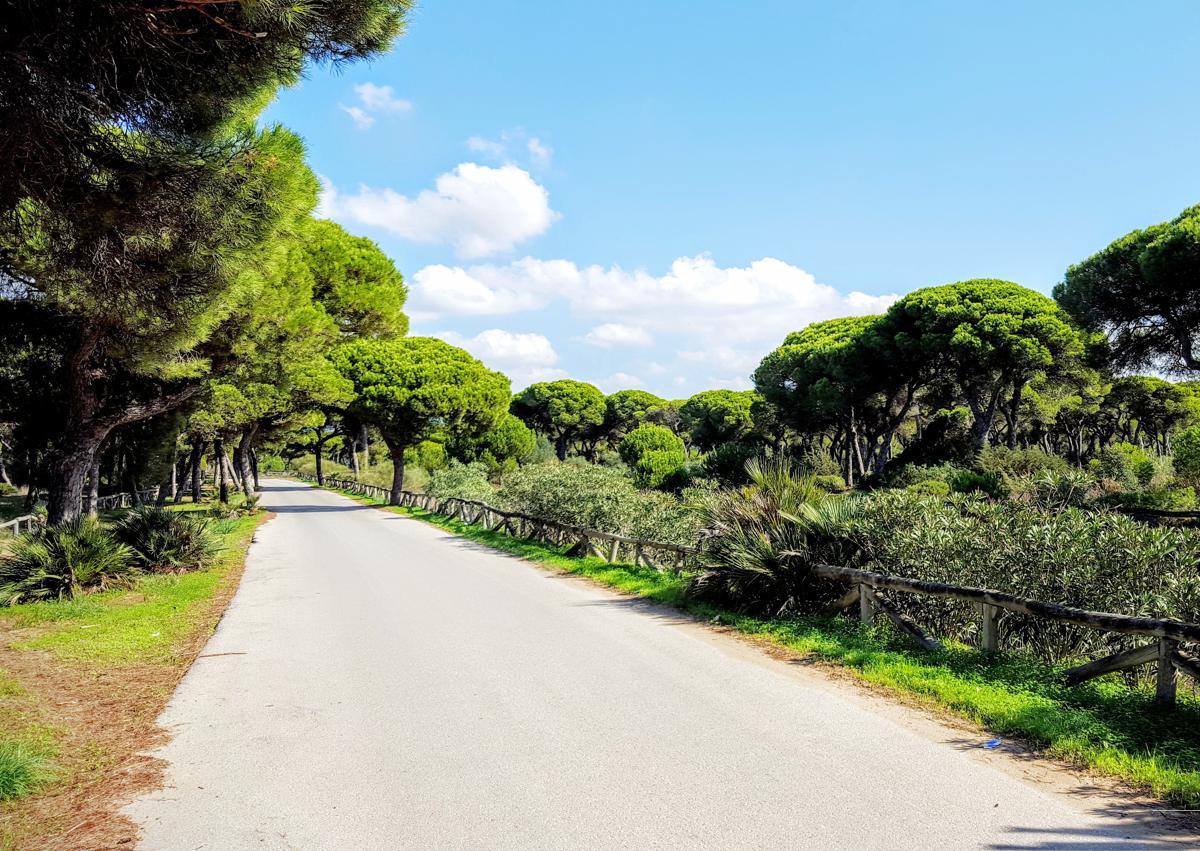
379	684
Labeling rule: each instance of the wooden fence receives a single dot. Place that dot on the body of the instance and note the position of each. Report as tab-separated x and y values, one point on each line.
1157	516
1167	635
16	526
612	548
126	500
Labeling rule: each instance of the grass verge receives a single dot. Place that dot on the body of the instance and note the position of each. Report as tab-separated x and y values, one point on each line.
1102	725
81	684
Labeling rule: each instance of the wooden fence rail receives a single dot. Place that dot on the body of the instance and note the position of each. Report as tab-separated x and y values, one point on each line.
606	545
1167	635
14	527
126	500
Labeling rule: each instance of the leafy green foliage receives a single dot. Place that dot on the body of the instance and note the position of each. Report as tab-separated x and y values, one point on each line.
930	487
765	539
1144	291
714	417
1003	462
600	498
727	463
653	452
355	282
1186	447
1097	561
163	541
500	448
464	481
413	388
55	562
564	411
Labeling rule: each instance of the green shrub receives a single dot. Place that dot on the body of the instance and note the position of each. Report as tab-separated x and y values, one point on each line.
22	770
969	481
831	483
727	462
163	540
270	463
1162	499
911	474
1092	560
930	487
815	462
1052	490
1002	461
463	481
428	455
653	453
1186	449
599	498
239	505
7	489
766	537
55	562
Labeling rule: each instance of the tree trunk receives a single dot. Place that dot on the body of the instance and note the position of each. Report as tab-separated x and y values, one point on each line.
69	471
397	474
254	467
4	479
198	472
354	457
247	473
222	482
560	448
317	454
93	495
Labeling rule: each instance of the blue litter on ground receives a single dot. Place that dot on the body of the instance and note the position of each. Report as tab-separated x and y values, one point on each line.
992	744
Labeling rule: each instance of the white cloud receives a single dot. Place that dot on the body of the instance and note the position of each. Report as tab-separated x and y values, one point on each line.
618	381
524	358
381	99
362	120
489	147
478	209
540	155
614	334
514	145
759	303
373	100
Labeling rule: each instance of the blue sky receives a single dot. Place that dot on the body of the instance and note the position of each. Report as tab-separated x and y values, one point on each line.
653	194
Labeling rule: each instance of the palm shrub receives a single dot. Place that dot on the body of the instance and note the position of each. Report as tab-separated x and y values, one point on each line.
766	537
163	540
56	562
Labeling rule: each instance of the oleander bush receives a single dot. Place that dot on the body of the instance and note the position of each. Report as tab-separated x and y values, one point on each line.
601	498
463	481
165	541
57	562
1090	559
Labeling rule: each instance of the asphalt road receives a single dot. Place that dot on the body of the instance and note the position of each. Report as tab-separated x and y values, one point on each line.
378	684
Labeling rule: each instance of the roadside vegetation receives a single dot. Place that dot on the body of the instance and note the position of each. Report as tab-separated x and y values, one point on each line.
1108	725
103	618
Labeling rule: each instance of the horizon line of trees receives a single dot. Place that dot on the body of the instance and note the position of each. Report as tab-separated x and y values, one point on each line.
170	308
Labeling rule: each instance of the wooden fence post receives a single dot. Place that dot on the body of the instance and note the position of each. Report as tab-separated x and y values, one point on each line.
989	637
1164	693
866	605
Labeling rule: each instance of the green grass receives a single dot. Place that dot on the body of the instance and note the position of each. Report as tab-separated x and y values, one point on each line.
1102	725
140	624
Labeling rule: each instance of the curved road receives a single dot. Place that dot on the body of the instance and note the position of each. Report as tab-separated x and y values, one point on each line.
379	684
